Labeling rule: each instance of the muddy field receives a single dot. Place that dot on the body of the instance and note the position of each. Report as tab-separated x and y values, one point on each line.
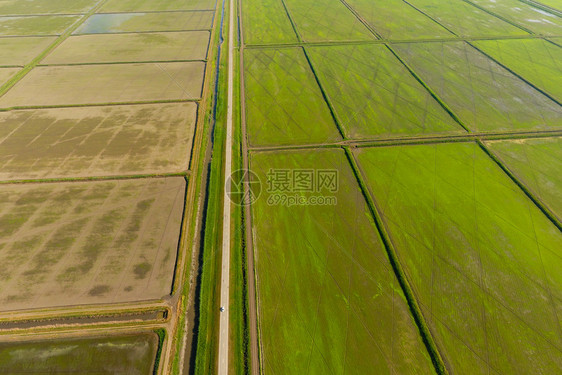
104	48
20	51
6	74
91	84
96	141
80	243
140	22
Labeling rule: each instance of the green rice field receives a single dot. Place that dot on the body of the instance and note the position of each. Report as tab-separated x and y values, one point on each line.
484	95
374	95
443	120
329	298
266	22
524	15
481	258
328	20
464	19
536	60
278	79
538	164
395	19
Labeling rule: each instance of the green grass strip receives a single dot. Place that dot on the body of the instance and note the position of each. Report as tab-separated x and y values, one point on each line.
161	332
239	318
186	289
207	328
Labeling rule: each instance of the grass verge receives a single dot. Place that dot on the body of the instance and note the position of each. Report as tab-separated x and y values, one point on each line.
161	332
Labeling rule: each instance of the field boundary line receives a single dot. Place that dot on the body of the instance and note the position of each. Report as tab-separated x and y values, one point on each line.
537	201
415	310
108	104
371	29
16	316
81	310
60	39
185	174
123	62
102	13
79	331
400	41
94	321
398	141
